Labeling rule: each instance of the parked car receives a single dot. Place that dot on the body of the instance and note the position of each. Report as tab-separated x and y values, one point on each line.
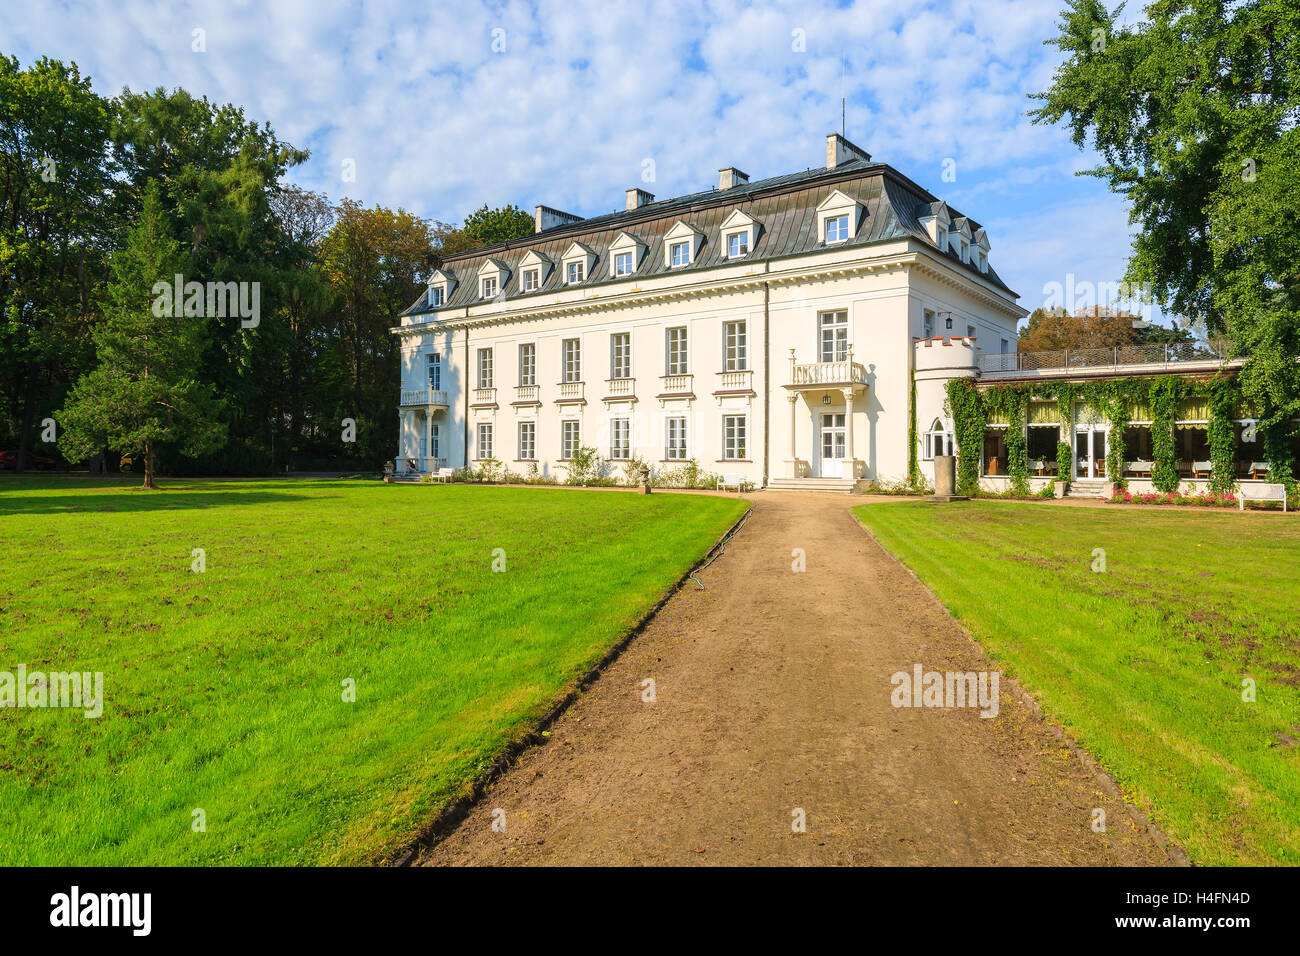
9	461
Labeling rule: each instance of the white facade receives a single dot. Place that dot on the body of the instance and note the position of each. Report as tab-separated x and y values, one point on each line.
778	356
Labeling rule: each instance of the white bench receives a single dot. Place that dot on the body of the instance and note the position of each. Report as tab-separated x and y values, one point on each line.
730	481
1263	492
442	474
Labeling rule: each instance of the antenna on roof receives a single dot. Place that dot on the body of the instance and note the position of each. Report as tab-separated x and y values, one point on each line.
843	111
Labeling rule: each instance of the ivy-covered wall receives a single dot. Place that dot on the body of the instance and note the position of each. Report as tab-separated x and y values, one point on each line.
972	408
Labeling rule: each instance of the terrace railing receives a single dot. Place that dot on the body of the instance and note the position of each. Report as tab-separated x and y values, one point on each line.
1069	359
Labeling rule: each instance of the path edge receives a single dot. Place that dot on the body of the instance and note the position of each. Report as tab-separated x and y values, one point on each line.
447	819
1176	854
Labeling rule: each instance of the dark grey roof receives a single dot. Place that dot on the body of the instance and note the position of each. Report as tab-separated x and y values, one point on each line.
784	206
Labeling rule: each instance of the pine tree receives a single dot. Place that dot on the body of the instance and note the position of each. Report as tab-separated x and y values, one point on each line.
145	391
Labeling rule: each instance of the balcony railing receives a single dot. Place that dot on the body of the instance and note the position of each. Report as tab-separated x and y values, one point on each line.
485	396
676	384
421	397
527	393
620	386
829	373
736	379
570	391
1068	359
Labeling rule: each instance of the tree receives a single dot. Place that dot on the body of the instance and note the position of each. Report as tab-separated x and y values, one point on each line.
373	260
1197	116
54	234
486	227
1053	329
145	390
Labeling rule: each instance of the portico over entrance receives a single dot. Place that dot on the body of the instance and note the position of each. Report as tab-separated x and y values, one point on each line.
829	392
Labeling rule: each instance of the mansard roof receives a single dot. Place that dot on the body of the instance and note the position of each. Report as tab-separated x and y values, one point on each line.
785	207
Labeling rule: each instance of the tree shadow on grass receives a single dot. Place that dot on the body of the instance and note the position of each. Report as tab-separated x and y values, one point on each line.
130	499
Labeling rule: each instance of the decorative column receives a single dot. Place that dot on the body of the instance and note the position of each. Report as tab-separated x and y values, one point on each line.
848	425
793	461
428	437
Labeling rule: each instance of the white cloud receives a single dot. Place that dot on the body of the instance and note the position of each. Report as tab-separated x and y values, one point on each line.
585	91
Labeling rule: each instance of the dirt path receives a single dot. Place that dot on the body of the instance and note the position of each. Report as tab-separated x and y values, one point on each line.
773	693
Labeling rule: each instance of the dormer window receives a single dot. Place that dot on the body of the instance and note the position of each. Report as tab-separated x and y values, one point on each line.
441	284
739	233
625	254
942	239
681	245
838	216
965	251
577	263
532	280
489	287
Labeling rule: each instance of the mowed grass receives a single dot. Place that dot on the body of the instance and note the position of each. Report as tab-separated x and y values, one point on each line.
1143	664
224	689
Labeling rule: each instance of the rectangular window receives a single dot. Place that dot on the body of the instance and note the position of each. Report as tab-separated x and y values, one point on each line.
623	264
435	296
733	437
1006	346
484	368
435	371
927	325
527	441
737	244
620	439
680	253
970	331
435	441
837	228
532	280
735	347
573	272
484	440
676	364
572	350
528	364
834	336
675	438
489	287
569	439
620	355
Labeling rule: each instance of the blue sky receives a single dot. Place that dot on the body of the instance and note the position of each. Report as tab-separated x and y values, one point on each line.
440	109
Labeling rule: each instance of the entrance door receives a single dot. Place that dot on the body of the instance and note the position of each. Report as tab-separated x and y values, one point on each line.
1090	446
833	445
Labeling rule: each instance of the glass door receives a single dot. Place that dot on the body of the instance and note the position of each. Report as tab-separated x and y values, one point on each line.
1090	446
834	445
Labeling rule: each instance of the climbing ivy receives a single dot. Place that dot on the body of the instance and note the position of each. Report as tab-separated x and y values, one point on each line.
1163	399
968	423
971	408
1224	398
913	469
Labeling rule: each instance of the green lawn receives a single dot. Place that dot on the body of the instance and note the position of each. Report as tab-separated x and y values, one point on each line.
1143	664
224	689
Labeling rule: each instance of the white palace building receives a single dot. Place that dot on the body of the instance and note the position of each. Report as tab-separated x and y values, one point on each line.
770	329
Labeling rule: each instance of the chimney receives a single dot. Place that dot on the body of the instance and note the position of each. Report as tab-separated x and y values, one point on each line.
636	198
839	151
544	217
730	177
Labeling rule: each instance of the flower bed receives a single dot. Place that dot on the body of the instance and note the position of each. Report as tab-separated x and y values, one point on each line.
1208	499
